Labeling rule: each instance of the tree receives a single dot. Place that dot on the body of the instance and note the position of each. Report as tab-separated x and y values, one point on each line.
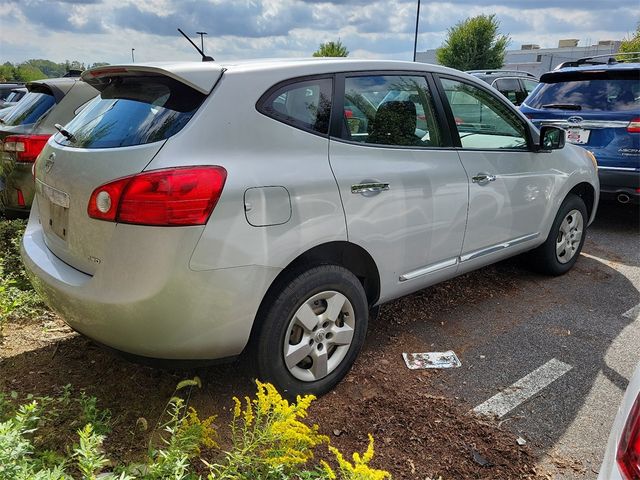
27	73
474	44
331	49
631	44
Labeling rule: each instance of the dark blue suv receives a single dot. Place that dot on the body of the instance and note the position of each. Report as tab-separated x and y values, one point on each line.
598	103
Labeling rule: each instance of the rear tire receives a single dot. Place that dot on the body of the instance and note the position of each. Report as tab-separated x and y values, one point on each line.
312	331
560	251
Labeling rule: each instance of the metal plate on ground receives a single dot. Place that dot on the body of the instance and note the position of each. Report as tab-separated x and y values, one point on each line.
415	361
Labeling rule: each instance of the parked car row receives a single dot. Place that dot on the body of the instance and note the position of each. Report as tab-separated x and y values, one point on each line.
25	129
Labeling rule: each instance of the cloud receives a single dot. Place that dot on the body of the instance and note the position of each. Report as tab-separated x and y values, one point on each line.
106	30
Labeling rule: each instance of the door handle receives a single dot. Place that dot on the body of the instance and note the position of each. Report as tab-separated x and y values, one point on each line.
483	178
368	189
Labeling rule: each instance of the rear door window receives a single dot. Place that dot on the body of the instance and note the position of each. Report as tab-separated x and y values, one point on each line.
590	93
510	88
304	104
133	111
390	110
30	109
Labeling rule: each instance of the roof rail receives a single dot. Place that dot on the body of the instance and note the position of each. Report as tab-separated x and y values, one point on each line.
610	60
490	71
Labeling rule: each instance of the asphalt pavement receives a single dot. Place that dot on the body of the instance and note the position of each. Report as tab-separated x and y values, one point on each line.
552	358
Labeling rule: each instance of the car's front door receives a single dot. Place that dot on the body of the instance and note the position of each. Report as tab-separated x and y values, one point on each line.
510	186
403	188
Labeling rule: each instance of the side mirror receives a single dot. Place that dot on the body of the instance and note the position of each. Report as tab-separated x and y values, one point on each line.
551	138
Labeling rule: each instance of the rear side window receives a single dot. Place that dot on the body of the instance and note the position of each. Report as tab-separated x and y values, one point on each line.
597	94
393	110
30	109
305	104
133	111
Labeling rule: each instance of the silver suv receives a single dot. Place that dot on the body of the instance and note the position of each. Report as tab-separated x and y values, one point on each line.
199	210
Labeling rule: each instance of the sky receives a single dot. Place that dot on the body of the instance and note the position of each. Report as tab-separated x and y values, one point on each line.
106	30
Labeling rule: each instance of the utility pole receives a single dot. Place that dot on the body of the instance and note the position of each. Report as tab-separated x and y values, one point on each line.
202	34
415	41
133	59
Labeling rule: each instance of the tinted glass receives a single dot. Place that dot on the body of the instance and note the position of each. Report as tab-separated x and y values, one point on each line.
597	95
133	111
483	121
30	109
305	104
529	85
390	110
510	88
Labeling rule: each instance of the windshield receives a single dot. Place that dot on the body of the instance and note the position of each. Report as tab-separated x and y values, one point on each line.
597	95
133	111
29	109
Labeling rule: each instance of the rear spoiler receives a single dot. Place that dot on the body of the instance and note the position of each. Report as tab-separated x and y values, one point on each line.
202	77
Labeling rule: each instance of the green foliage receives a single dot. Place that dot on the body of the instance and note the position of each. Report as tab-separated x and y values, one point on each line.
269	442
38	68
474	44
17	298
629	45
100	420
331	49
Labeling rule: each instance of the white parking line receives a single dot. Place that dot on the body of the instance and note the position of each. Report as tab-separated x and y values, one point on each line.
633	313
508	399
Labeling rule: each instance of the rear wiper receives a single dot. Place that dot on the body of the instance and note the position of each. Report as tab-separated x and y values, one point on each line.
69	136
563	106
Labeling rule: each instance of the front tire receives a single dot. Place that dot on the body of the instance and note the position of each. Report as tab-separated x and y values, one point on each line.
560	251
312	331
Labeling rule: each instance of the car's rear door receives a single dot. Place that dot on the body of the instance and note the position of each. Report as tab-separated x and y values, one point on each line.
403	188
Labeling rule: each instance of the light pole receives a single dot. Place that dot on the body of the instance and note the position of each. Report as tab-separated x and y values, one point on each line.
415	41
202	34
133	59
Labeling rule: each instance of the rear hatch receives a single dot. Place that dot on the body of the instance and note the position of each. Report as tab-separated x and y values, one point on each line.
116	135
599	108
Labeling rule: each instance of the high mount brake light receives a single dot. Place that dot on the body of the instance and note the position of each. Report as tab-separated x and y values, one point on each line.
25	147
628	455
168	197
634	125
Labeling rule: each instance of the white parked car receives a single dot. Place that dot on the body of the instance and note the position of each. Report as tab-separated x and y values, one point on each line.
622	458
199	210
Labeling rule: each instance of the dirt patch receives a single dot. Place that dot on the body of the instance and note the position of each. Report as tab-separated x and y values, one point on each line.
419	432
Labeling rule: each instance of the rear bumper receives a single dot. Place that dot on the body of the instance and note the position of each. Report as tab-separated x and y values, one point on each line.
614	183
150	304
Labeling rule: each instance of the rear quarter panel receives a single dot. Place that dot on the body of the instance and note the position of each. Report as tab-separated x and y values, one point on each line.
257	151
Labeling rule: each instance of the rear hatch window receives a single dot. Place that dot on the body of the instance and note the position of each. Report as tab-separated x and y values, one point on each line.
604	91
133	111
29	109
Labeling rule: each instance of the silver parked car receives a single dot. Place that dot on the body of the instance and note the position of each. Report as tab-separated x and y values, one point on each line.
199	210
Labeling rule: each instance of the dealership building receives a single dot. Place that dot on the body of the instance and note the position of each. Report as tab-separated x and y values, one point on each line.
533	59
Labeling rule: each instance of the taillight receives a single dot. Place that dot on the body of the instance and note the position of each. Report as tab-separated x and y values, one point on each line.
168	197
628	455
634	125
26	147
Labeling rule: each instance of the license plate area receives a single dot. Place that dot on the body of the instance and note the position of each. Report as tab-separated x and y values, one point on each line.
55	214
578	136
59	220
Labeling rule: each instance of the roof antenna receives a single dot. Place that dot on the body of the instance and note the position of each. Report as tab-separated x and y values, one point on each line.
205	58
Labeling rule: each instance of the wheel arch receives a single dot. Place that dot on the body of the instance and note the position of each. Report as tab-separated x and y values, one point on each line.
587	193
345	254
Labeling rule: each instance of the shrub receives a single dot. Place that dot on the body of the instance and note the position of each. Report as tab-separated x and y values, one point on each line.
269	441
